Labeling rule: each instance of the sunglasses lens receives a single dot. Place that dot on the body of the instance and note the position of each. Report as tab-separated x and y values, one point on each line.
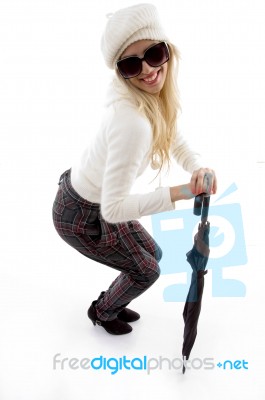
130	67
157	55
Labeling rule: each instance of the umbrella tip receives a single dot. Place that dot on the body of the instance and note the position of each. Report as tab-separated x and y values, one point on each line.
183	369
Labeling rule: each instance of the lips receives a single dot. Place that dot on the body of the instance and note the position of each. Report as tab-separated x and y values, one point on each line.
151	78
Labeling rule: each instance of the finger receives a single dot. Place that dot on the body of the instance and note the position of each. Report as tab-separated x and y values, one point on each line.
199	181
208	181
212	182
193	182
214	185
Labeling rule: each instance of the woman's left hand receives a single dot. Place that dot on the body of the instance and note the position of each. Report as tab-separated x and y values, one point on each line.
203	180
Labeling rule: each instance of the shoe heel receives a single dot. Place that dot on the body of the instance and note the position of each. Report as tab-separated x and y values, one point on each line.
91	317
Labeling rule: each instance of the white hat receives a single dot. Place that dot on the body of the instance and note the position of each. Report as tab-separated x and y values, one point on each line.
127	26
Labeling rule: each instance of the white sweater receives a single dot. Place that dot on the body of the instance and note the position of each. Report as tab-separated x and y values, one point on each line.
118	155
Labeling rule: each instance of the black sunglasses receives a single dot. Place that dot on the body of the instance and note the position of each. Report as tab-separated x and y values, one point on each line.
155	56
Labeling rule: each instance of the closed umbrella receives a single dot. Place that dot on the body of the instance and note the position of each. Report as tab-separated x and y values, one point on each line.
197	257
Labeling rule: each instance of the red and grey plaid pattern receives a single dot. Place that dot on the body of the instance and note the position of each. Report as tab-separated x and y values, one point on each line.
125	246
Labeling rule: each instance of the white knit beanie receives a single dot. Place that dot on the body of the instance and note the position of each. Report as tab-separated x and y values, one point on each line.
127	26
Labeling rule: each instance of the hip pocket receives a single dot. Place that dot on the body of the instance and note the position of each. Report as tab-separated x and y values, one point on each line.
90	224
109	233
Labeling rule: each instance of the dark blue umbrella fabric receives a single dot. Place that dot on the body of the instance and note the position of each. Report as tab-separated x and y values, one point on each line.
197	257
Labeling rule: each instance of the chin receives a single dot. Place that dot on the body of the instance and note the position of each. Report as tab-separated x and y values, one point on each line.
153	92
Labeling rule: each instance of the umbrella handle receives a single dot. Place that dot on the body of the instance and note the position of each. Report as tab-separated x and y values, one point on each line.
201	206
202	201
205	208
197	208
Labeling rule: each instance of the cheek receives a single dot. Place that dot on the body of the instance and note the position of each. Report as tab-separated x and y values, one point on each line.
133	81
165	68
136	82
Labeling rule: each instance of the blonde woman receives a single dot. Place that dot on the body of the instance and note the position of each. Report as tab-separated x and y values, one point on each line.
94	210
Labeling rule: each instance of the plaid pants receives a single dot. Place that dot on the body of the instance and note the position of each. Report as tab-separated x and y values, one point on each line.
126	247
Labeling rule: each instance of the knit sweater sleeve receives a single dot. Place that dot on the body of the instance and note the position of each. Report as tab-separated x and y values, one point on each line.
188	159
129	139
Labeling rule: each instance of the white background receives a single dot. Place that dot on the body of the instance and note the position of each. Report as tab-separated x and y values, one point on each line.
52	87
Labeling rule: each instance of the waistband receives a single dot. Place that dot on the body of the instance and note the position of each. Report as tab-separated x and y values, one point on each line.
66	185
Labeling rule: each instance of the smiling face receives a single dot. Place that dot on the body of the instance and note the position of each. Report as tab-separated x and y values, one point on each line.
151	79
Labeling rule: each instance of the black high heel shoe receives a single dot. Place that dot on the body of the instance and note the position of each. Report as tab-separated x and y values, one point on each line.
114	327
126	314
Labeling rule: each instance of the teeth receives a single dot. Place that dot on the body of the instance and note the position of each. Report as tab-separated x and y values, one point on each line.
151	79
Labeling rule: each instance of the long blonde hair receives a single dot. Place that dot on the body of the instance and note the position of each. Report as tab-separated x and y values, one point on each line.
162	112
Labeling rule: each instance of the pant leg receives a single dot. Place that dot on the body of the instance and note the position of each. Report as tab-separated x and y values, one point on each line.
121	292
127	247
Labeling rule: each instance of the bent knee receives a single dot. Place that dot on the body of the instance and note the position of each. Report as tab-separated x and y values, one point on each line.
154	273
158	253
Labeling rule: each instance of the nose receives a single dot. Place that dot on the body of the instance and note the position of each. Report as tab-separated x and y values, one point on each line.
146	68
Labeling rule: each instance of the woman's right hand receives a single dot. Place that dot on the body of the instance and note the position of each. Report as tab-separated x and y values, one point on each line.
197	185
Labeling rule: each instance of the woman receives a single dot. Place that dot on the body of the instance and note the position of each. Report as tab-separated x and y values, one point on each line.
94	211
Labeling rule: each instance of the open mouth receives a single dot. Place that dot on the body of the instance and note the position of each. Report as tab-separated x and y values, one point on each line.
152	79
